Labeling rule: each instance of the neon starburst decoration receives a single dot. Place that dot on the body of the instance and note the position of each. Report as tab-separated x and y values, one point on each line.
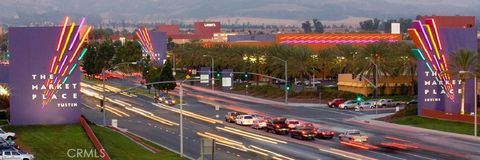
69	50
431	51
144	40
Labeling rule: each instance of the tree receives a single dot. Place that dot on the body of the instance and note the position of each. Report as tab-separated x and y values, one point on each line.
129	52
463	62
370	25
89	60
170	44
307	27
167	75
318	26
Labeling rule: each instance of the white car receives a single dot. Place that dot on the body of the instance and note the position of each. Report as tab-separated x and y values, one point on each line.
352	136
13	154
350	104
244	120
365	105
7	135
259	124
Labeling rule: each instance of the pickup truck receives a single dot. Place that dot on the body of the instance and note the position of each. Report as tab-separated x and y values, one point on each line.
14	154
303	132
352	136
277	125
387	103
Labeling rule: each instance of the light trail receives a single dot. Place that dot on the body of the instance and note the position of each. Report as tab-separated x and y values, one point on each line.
251	135
189	114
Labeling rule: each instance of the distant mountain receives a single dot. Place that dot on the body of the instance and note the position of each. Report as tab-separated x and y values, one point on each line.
27	11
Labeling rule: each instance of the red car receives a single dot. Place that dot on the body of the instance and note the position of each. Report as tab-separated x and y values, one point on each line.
324	133
336	102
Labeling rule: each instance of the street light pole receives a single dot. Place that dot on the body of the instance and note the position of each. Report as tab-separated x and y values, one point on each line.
213	78
181	119
475	105
286	77
103	90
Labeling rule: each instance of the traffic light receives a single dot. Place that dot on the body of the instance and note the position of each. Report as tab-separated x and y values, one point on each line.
246	76
359	98
218	74
189	72
101	105
288	87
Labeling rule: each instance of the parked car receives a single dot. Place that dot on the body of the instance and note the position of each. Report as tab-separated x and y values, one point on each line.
352	136
277	125
259	124
336	102
168	100
7	135
244	119
292	123
231	116
388	103
350	104
303	132
14	154
324	133
365	105
413	101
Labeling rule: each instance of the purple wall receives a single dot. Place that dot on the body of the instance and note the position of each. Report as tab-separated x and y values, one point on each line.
159	42
453	40
3	73
32	50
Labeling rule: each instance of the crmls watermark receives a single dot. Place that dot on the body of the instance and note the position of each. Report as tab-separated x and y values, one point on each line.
85	153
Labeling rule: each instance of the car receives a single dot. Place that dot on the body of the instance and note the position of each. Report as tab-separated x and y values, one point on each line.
257	117
387	103
365	105
244	119
168	100
350	104
160	97
303	132
231	116
352	136
259	124
7	135
277	125
15	154
336	102
413	101
292	123
324	133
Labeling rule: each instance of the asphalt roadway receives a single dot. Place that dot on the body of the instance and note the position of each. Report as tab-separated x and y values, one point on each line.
384	142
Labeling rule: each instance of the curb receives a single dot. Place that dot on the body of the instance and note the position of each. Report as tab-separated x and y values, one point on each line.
407	127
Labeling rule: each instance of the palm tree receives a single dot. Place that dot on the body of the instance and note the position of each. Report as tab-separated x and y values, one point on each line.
463	60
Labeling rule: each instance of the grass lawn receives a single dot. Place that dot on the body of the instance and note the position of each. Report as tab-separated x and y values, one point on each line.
120	147
54	141
50	142
436	124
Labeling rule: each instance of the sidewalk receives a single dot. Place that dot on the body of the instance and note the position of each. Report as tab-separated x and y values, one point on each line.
370	120
252	99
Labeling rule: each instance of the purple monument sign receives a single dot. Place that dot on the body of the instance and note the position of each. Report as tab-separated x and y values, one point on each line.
44	75
436	48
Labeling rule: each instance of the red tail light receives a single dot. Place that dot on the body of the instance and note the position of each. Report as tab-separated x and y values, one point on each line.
303	132
323	133
315	132
332	132
277	126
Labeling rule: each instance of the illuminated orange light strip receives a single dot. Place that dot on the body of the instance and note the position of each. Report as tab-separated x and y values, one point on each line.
80	44
53	64
63	32
66	41
417	36
65	71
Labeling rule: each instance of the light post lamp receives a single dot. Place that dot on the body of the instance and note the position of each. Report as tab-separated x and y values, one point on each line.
102	104
213	78
286	77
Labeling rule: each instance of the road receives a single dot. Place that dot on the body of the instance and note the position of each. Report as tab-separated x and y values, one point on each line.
201	103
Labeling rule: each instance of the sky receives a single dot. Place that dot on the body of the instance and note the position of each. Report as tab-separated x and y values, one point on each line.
23	11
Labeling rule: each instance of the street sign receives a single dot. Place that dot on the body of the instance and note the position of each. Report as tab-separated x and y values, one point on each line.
114	123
